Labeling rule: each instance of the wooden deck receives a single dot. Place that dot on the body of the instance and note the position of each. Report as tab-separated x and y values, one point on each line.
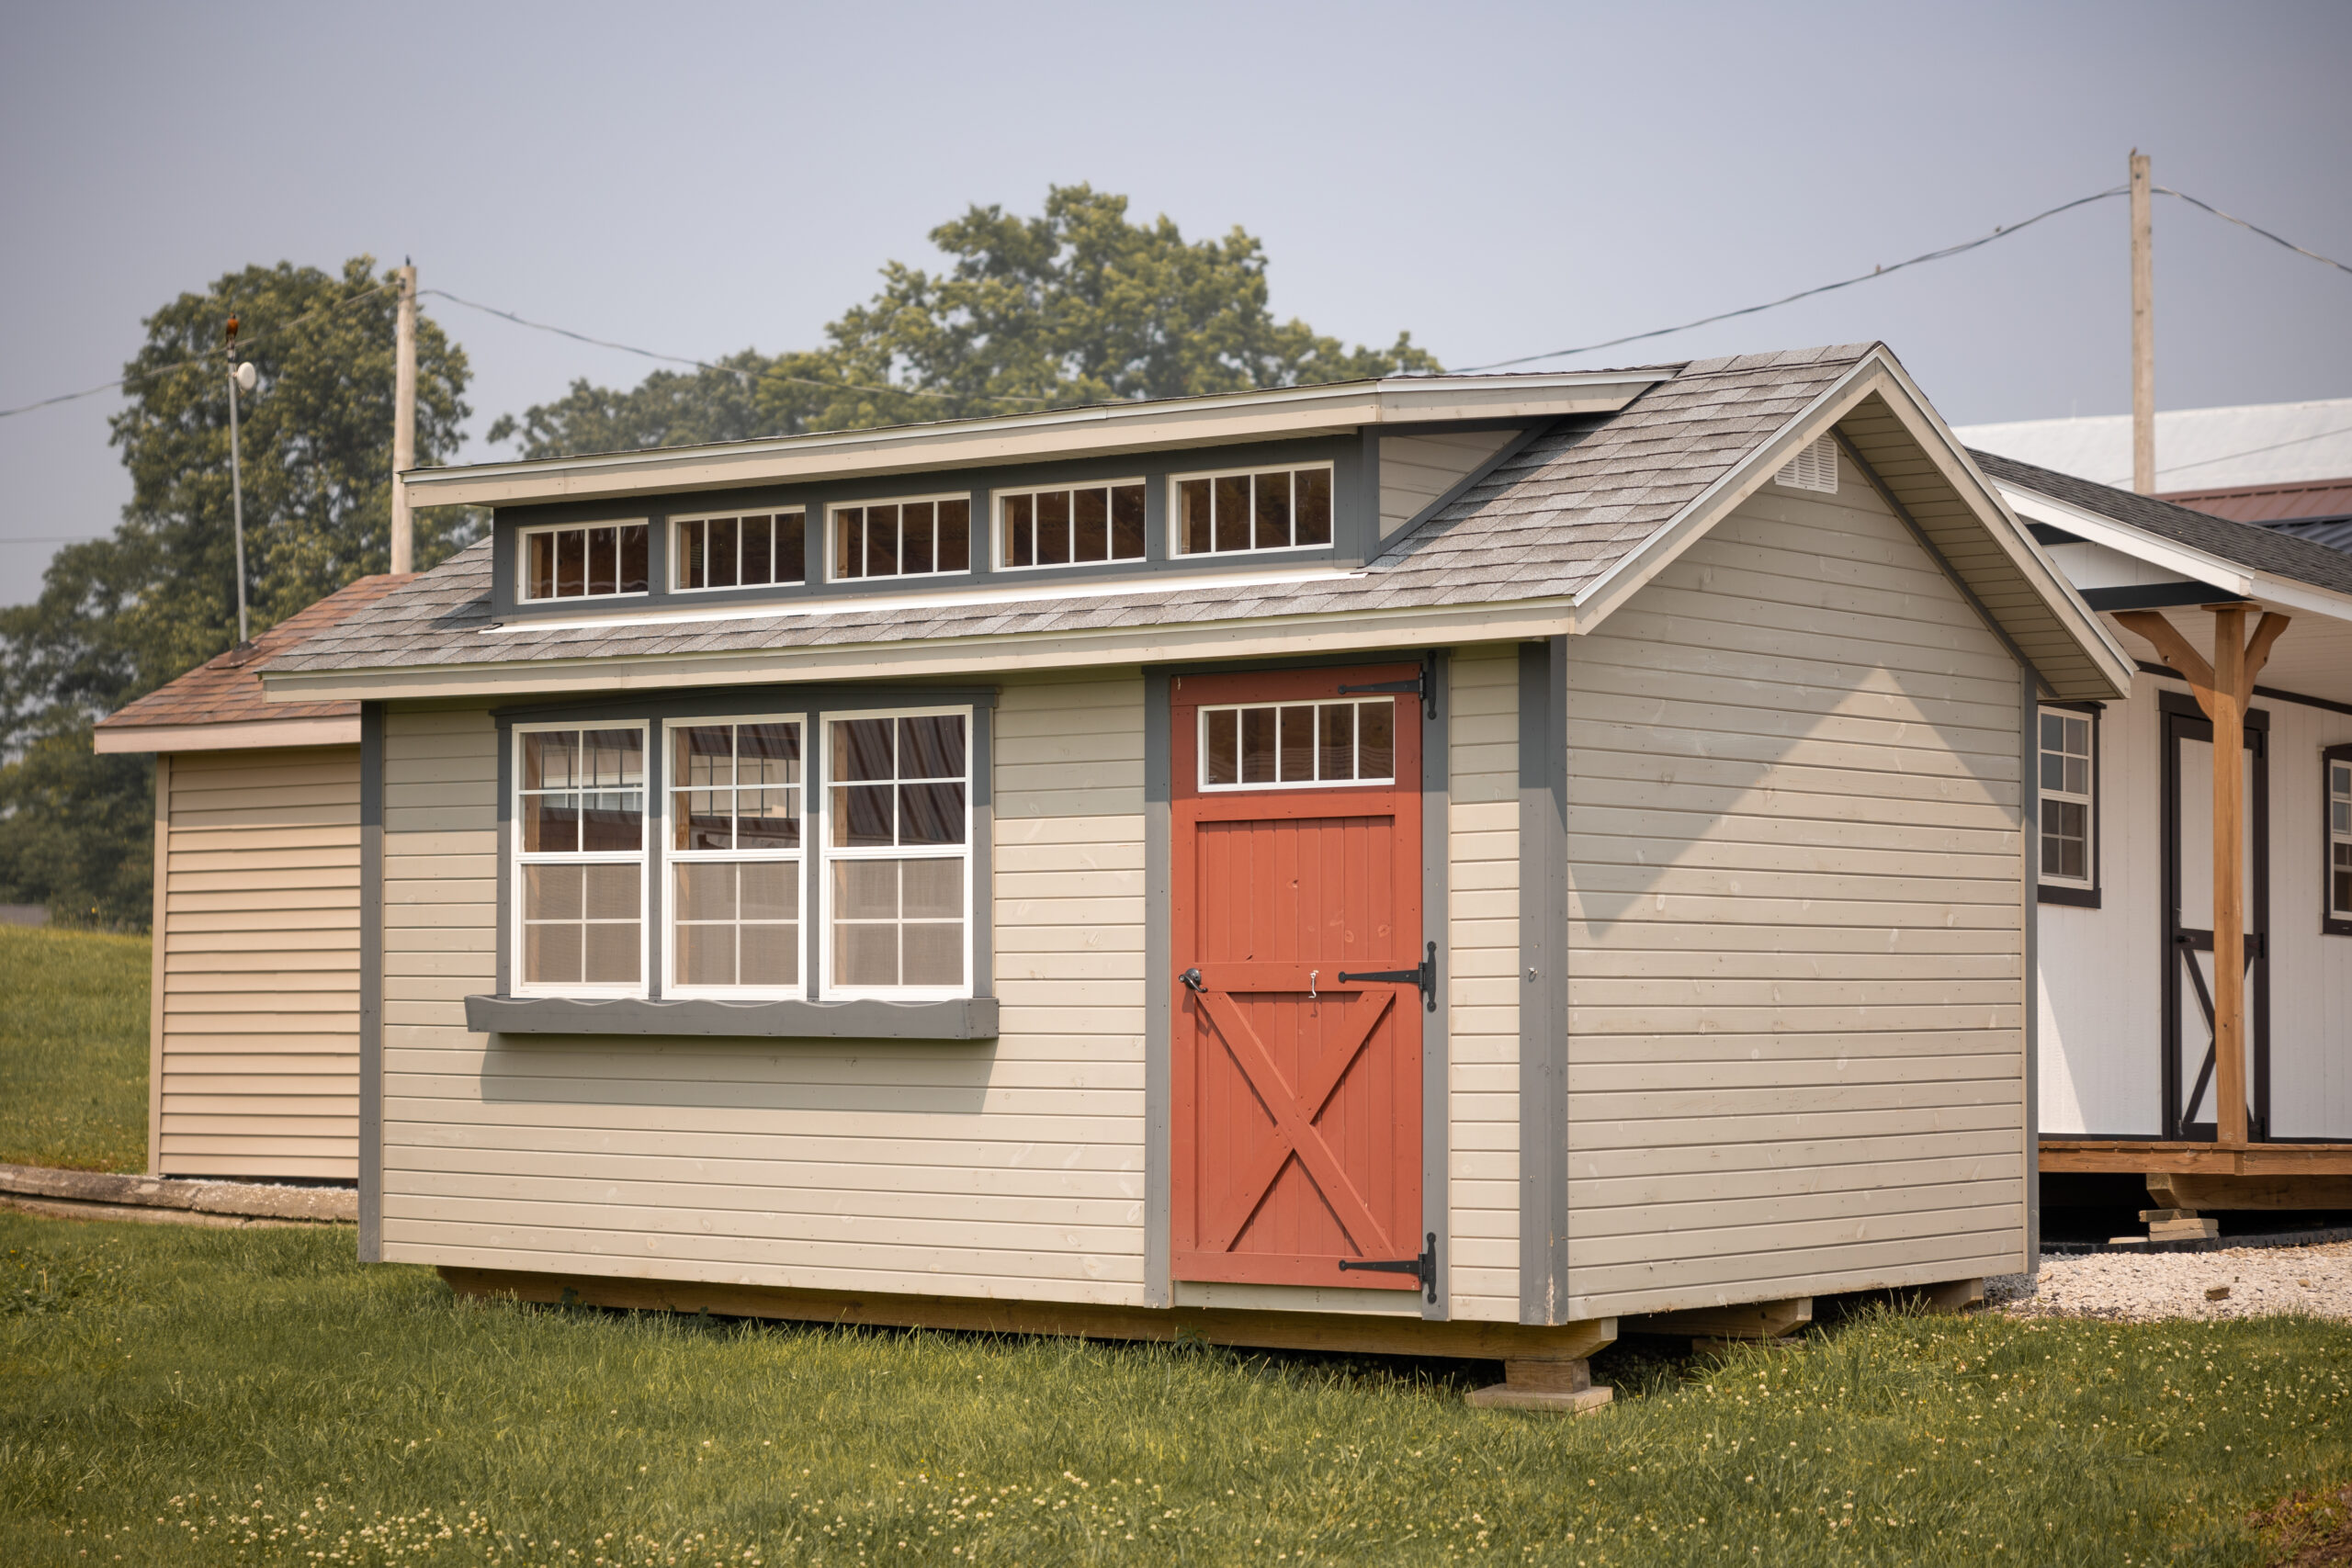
2215	1176
2150	1155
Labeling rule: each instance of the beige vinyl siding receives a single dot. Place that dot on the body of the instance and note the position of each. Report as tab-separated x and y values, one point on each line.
1482	984
1010	1169
1417	469
258	1007
1795	972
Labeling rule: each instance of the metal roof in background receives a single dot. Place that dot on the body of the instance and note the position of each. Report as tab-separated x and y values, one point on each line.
2197	449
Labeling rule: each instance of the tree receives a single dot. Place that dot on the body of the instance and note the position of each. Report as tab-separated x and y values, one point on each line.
119	616
1075	306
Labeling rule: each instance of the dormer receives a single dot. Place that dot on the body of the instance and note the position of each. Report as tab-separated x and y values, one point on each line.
1250	485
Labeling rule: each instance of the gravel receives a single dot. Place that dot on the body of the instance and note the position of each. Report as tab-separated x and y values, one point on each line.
2262	1281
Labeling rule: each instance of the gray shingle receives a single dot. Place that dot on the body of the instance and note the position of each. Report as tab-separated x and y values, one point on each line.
1551	520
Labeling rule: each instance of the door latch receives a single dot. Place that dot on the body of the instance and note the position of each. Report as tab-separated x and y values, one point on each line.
1191	978
1425	976
1423	1268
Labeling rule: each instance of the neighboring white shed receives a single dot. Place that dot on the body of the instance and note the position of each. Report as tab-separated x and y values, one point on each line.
2132	1082
253	1056
1113	874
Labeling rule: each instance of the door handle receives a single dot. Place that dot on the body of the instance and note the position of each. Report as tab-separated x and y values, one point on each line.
1191	978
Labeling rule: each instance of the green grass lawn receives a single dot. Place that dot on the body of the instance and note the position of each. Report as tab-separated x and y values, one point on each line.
73	1049
201	1397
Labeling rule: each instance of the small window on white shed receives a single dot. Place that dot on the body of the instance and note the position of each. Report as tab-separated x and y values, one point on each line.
1816	468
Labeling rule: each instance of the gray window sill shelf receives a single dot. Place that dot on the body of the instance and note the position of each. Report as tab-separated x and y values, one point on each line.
963	1018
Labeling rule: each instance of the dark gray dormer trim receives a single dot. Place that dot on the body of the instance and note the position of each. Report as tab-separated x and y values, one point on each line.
1356	461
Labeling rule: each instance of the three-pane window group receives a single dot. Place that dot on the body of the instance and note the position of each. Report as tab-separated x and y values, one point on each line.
1229	513
893	875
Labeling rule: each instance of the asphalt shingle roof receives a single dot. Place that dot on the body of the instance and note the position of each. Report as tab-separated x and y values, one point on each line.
2262	550
226	689
1548	522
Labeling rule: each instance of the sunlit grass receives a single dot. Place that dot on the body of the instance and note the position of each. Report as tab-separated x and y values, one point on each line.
73	1049
212	1397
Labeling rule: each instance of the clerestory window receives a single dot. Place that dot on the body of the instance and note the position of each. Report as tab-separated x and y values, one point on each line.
1254	509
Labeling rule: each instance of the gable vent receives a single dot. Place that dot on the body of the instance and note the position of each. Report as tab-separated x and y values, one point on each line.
1816	468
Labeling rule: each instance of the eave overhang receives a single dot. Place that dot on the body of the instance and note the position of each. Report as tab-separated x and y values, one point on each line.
2193	565
1102	429
1888	427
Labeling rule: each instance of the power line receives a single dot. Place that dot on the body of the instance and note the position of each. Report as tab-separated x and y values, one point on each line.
753	376
2164	190
2000	232
154	372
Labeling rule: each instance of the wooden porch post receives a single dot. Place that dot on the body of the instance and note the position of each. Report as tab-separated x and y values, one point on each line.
2225	689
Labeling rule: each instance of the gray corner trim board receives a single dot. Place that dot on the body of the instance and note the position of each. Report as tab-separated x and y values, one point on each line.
1437	1121
961	1017
1543	981
1158	1047
2030	903
371	982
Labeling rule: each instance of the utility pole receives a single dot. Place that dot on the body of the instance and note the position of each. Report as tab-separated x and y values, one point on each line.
238	374
404	421
2143	334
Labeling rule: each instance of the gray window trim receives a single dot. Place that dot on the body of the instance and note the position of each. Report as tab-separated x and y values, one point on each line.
1544	989
814	1016
1355	527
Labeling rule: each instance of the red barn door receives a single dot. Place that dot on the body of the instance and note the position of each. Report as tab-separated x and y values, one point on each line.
1296	875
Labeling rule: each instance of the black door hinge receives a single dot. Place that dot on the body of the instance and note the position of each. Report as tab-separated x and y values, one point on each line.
1423	1268
1425	683
1424	977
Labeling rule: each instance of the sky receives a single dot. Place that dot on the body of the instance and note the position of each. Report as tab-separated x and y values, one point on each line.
1499	179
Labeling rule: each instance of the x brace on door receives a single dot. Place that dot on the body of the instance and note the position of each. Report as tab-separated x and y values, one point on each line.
1294	1116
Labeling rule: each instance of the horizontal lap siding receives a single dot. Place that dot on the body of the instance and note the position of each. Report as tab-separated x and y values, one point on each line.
1795	987
1011	1168
1482	983
260	966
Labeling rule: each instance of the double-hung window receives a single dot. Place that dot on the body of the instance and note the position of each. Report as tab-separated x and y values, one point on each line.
579	882
734	848
2337	782
898	852
2068	780
794	858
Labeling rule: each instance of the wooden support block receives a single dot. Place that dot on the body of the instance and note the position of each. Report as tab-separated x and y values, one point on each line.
1559	1385
1951	1296
1751	1320
2150	1216
2199	1192
2185	1230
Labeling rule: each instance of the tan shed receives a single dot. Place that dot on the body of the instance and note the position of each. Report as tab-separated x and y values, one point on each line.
1461	864
253	1066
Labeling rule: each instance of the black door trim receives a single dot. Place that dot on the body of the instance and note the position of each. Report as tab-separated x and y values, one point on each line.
2181	719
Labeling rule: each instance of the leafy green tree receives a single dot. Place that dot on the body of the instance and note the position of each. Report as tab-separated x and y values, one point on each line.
1076	305
119	616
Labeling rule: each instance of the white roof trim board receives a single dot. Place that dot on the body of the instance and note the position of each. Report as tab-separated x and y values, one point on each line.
1550	541
238	735
2196	565
1280	414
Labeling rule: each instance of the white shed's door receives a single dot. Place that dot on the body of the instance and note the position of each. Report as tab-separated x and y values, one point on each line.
2189	1066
